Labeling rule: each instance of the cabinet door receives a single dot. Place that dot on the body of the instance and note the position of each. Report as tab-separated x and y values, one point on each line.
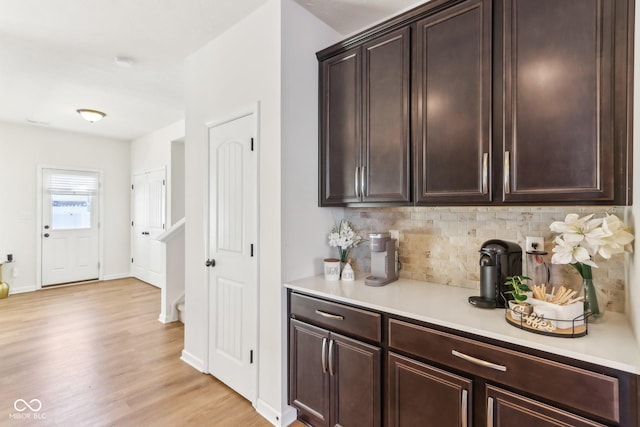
340	128
506	409
386	79
308	379
355	370
420	395
559	100
453	105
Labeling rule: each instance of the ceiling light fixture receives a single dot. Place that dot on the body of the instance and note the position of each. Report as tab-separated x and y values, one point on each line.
91	115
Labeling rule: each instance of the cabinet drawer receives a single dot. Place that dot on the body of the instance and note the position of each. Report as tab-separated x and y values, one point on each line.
578	388
337	317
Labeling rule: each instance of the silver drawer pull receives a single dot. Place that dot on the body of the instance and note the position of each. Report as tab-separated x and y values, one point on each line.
324	355
329	315
331	357
485	173
480	362
463	408
507	172
490	412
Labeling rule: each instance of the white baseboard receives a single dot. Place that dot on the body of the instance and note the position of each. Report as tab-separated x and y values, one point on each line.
275	417
192	361
116	276
164	319
21	290
289	415
167	319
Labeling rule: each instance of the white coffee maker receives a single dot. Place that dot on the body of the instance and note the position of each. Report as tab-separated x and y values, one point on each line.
384	259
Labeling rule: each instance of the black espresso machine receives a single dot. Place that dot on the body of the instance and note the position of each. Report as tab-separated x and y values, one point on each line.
498	260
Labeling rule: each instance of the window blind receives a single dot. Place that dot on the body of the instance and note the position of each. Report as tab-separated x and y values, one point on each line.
70	182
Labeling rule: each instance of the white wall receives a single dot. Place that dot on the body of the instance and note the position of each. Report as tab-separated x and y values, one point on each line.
239	68
153	151
232	73
25	147
176	180
305	226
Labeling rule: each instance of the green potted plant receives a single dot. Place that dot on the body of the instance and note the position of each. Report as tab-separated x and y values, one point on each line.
519	291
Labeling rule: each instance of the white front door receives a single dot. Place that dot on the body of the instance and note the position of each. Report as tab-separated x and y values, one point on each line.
232	254
147	223
70	226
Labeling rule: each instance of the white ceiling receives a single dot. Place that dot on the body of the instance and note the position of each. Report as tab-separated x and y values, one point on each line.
58	55
349	16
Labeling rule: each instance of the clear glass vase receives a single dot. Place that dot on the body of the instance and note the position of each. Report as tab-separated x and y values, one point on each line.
595	300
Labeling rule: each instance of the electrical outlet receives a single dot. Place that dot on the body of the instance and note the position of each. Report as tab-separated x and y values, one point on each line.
395	234
537	241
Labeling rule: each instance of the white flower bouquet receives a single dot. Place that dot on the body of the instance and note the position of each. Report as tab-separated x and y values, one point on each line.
581	239
344	237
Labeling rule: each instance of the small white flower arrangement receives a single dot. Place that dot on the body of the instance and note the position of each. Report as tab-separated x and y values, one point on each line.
344	237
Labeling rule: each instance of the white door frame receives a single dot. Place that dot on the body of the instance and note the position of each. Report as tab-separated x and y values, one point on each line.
39	237
255	110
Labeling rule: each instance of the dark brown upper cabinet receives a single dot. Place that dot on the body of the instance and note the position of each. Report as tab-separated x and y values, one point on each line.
341	130
565	81
452	126
524	102
364	116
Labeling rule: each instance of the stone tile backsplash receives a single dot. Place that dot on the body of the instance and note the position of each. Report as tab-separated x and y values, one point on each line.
441	245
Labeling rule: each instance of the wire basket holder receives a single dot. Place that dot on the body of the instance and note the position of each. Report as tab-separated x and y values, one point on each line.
533	322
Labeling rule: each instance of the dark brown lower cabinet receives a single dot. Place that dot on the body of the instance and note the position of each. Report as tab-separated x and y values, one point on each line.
423	395
420	395
439	377
511	388
309	382
334	380
506	409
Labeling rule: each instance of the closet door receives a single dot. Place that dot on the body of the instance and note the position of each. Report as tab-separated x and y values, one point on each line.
148	200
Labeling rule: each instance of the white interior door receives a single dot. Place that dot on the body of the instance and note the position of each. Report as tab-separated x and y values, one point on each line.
232	244
70	226
148	222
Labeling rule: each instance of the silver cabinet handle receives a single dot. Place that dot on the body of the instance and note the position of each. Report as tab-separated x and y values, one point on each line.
329	315
480	362
485	173
363	175
355	181
490	412
463	409
331	357
507	173
324	355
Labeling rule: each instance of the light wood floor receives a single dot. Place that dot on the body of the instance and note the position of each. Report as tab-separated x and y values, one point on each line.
96	355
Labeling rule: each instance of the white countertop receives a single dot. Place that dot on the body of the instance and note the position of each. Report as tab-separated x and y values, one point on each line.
610	343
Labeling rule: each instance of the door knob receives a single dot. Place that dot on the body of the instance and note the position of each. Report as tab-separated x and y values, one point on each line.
46	234
210	263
